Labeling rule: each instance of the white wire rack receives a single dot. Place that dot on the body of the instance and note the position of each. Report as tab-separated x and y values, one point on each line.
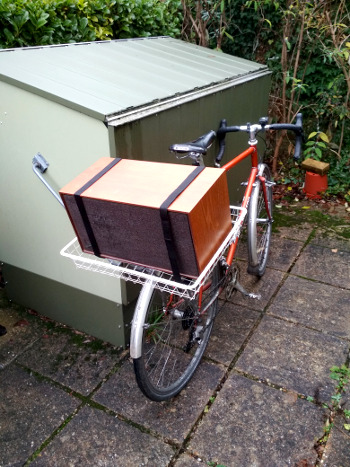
162	280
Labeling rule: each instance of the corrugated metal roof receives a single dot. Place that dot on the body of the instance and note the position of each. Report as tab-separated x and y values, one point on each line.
113	78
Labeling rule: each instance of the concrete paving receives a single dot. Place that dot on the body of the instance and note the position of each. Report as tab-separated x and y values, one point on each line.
260	397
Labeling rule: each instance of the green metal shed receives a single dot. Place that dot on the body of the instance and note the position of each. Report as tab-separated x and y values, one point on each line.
75	103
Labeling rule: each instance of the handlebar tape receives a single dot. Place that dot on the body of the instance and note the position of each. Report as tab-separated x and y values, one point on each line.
221	133
298	130
299	137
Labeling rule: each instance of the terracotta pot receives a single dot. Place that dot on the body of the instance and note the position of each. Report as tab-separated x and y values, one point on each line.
315	184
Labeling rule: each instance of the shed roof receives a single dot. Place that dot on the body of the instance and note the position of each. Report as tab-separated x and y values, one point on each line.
116	80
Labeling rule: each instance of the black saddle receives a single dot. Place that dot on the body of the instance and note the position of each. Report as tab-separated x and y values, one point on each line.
199	145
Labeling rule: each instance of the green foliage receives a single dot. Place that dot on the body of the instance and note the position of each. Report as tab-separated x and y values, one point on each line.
253	35
206	22
24	23
318	148
306	46
316	145
142	18
342	376
34	22
339	177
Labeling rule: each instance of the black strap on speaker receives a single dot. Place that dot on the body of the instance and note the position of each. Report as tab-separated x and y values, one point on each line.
167	231
81	207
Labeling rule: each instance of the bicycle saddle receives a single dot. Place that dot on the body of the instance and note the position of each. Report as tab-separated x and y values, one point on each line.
199	145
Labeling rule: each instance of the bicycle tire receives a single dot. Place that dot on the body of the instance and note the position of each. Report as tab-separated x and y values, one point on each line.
175	336
259	226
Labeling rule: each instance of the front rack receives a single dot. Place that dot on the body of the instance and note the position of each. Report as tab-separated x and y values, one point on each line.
140	275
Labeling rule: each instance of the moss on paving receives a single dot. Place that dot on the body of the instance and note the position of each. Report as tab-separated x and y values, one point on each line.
292	217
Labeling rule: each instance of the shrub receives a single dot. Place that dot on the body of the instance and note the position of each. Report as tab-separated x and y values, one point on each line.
33	22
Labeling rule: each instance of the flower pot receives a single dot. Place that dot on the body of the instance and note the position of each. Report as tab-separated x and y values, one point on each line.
315	185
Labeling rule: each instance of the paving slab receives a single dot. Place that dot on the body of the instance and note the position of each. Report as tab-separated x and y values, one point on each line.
299	232
331	239
251	424
231	328
337	451
172	419
294	357
30	411
315	305
70	361
96	438
264	286
331	266
22	331
189	461
283	252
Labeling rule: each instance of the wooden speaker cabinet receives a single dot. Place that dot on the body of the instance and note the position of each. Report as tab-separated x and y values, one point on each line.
114	207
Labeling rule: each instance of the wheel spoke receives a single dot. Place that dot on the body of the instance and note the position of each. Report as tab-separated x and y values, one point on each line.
172	343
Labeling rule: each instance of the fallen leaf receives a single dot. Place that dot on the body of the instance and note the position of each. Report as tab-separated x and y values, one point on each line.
291	397
306	207
347	426
335	250
32	312
22	322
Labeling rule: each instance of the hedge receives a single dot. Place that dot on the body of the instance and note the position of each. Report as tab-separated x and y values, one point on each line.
33	22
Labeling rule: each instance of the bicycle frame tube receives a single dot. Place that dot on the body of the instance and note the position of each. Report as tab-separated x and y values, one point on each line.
252	151
263	182
236	160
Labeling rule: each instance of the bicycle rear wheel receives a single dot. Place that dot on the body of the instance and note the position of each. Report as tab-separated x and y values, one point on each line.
259	225
175	334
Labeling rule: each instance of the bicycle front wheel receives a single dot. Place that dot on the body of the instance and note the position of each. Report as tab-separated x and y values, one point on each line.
175	334
259	225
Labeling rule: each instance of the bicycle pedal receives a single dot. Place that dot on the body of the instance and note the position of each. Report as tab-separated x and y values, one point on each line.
242	290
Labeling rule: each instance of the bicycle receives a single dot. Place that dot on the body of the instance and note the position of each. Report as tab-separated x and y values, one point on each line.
169	344
173	321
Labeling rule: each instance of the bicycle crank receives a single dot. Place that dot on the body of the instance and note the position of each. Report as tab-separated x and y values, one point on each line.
233	284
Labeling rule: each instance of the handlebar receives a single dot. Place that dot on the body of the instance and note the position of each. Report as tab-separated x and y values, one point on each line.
254	129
